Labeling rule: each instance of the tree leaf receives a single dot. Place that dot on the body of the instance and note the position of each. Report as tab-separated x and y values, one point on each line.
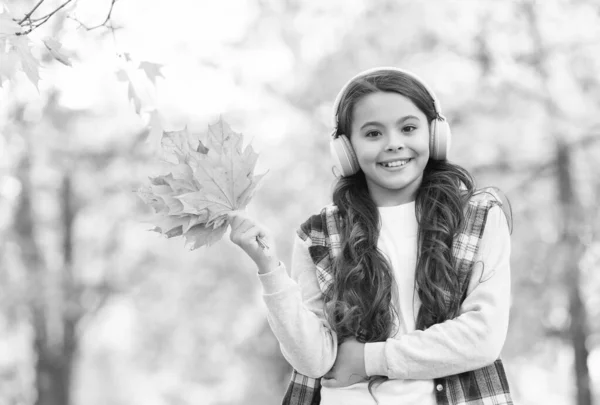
122	75
152	70
8	26
54	47
170	225
248	193
180	185
178	143
132	94
201	235
200	201
29	64
156	202
201	148
155	132
208	179
9	63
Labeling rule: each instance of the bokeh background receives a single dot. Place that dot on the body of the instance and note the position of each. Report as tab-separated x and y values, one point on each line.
97	310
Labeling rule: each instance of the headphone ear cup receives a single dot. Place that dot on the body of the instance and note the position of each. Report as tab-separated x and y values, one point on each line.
343	155
439	139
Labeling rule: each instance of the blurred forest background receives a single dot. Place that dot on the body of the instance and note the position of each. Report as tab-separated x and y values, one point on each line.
96	310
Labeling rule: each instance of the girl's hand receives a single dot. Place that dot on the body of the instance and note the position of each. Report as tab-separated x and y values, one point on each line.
349	366
244	233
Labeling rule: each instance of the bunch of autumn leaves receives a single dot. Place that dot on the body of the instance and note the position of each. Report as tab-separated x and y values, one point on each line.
209	180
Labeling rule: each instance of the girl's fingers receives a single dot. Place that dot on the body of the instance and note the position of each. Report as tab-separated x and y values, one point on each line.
237	217
250	235
242	227
241	223
246	235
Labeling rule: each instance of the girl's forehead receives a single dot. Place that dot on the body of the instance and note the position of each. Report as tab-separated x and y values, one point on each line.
384	106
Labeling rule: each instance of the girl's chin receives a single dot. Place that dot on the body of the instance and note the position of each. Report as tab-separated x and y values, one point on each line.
397	180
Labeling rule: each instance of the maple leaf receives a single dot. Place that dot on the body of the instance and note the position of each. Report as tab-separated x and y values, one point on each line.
28	62
122	75
206	181
132	94
155	130
201	235
53	47
9	63
181	145
7	25
152	70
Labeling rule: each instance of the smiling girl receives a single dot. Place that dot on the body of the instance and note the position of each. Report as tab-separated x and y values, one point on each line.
399	291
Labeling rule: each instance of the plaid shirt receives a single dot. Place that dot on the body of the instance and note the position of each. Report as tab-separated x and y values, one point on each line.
487	385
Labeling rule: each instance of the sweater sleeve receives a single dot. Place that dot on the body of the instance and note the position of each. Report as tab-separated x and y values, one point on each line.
472	340
296	316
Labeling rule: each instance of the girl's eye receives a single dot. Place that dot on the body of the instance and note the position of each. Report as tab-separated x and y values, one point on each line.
372	134
409	128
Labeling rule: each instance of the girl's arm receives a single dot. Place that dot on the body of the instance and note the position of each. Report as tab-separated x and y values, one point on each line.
295	314
470	341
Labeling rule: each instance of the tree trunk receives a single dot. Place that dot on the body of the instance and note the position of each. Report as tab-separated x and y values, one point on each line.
571	213
573	221
48	391
53	350
72	309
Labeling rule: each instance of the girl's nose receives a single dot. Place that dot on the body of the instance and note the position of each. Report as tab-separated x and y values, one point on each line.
395	142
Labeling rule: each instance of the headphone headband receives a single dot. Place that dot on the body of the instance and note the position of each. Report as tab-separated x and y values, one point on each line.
367	72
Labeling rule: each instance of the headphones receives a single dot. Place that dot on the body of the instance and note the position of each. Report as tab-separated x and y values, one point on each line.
343	154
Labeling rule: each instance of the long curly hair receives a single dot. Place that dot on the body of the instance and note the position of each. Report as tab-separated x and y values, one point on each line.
363	288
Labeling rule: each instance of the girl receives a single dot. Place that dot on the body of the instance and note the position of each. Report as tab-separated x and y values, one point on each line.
398	291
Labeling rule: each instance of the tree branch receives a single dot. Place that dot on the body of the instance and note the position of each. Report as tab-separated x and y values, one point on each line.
28	15
47	16
33	23
42	20
103	24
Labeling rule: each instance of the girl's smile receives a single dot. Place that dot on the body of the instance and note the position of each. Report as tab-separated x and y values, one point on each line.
394	164
390	136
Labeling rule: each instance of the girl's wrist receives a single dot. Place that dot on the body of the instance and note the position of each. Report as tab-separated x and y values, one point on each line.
269	265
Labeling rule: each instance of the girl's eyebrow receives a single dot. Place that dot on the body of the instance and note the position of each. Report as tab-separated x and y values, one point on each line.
400	121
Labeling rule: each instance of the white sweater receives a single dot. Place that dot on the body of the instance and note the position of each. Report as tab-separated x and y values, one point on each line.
411	359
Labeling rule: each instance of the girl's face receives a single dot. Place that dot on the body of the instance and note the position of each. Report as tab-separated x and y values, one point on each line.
390	136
